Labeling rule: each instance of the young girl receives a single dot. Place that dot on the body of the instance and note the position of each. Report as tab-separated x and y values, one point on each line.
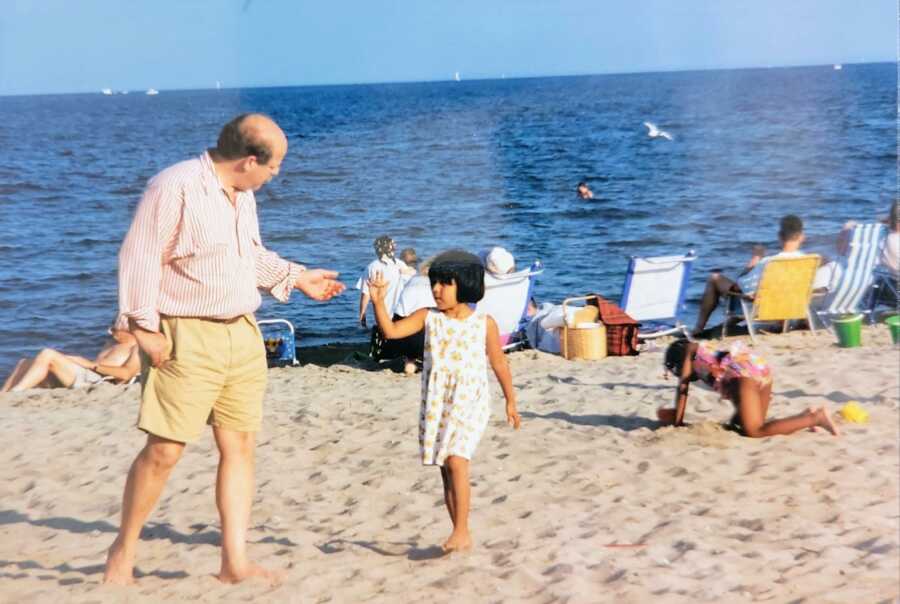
459	343
740	376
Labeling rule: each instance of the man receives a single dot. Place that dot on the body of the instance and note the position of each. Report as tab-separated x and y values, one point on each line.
584	192
189	270
791	236
117	361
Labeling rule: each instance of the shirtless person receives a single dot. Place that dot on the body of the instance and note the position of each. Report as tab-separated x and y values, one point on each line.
118	360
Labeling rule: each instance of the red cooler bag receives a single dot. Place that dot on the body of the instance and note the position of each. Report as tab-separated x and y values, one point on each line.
621	330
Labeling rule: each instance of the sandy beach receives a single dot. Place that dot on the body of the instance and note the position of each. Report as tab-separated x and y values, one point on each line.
589	502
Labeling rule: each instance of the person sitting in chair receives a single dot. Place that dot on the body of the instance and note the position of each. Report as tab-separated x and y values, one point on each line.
718	285
119	360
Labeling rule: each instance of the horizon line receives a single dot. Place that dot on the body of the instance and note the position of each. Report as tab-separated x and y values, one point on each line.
450	79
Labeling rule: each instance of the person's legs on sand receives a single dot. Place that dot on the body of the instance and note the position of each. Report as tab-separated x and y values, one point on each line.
447	481
146	479
234	498
47	362
460	538
17	373
754	421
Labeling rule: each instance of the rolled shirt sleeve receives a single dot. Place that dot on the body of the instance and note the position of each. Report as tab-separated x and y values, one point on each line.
275	274
141	256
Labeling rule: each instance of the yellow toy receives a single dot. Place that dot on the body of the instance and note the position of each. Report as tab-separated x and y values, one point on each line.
853	412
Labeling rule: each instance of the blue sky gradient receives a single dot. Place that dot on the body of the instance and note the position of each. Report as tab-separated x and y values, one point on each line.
53	46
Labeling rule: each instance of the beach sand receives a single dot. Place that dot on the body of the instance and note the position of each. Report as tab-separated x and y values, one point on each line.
589	502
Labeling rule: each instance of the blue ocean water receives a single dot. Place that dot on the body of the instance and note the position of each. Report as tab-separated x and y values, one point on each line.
449	164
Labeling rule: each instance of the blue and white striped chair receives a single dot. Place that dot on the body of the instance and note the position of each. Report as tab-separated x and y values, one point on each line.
850	290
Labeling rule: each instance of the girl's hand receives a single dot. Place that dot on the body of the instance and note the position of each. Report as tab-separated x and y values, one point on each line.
512	416
377	287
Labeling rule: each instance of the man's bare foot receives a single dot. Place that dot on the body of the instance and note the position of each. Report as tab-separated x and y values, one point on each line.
250	571
409	368
119	567
823	419
458	542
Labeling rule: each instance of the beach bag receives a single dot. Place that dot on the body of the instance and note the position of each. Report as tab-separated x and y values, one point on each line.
621	329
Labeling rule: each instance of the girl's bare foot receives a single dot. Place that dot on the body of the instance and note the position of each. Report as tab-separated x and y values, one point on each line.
458	542
119	567
251	570
409	368
823	419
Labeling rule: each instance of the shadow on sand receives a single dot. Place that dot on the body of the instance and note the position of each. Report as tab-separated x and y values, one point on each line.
622	422
407	549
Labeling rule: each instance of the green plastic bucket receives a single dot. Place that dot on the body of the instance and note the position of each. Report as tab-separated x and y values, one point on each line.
849	331
893	324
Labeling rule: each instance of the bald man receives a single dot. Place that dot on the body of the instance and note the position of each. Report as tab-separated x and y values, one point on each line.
190	271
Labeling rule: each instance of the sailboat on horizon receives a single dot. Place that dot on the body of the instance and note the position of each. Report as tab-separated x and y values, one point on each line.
456	76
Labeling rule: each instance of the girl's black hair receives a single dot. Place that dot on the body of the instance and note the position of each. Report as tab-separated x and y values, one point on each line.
674	357
462	268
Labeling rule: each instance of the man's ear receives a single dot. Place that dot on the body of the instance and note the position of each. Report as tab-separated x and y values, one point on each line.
247	163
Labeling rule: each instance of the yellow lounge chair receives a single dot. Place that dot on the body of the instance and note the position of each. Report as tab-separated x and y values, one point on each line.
783	294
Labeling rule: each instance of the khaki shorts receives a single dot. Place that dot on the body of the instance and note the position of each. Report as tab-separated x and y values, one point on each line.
216	375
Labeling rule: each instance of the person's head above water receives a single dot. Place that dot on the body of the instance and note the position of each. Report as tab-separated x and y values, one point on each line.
584	191
460	269
249	151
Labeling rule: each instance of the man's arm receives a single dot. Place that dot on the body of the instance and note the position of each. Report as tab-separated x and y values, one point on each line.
141	255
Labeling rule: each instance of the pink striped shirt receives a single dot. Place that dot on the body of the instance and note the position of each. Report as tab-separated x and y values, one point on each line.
191	253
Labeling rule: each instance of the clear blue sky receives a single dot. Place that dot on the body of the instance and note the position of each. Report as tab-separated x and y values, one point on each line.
84	45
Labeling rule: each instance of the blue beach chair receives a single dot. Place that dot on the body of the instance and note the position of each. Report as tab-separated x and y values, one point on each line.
851	290
654	293
506	300
280	340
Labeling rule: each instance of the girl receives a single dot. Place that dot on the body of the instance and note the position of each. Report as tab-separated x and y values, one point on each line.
459	342
740	376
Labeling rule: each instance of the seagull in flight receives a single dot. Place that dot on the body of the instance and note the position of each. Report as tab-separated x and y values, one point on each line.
654	131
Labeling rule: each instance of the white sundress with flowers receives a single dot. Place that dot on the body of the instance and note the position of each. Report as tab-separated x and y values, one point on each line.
455	395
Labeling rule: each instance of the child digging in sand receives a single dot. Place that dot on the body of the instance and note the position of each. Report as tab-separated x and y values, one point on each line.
459	343
740	376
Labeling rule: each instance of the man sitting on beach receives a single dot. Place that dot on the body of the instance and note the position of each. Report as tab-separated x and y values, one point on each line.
117	361
718	285
190	270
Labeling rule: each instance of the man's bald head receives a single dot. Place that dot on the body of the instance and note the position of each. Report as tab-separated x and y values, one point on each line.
251	134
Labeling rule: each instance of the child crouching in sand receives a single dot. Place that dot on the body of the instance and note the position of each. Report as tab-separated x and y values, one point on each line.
459	343
740	376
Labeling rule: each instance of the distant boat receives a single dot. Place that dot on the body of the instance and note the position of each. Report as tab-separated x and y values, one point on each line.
838	66
107	91
218	85
152	91
456	76
123	92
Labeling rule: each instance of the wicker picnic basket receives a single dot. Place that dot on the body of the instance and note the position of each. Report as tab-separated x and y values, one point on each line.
585	338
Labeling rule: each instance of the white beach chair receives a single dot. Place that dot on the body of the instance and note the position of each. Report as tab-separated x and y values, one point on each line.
851	290
506	300
654	293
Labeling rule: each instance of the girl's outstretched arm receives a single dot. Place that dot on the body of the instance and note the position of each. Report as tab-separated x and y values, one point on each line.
684	382
501	370
392	330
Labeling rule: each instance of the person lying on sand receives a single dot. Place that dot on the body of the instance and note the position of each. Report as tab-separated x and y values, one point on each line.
118	360
740	376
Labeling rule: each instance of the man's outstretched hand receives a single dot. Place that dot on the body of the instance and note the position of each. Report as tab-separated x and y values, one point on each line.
319	284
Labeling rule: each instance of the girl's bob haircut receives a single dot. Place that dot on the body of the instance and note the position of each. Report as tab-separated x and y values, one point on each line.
462	268
673	360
